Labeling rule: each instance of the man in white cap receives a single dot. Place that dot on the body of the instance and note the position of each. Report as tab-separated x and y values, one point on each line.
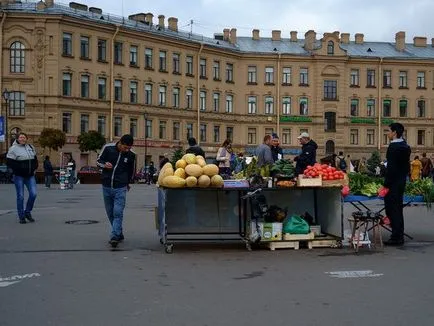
308	153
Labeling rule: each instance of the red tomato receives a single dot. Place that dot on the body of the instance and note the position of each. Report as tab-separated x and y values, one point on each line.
324	166
325	177
309	167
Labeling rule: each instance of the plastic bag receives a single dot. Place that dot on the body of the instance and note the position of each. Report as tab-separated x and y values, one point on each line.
296	225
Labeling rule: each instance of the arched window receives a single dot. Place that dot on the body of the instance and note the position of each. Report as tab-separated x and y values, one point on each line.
330	147
330	48
17	57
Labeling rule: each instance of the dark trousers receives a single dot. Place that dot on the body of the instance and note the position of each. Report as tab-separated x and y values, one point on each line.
394	209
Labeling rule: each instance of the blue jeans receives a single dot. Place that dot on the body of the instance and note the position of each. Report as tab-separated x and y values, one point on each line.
114	202
30	184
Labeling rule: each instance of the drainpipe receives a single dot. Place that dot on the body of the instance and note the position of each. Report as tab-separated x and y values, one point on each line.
112	96
278	93
198	92
379	103
1	69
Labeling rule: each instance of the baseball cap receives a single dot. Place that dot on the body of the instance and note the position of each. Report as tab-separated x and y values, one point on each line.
303	135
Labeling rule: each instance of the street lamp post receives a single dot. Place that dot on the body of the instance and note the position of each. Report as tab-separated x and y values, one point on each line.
145	115
5	95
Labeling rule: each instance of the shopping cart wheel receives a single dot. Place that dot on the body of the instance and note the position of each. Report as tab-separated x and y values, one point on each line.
168	248
248	246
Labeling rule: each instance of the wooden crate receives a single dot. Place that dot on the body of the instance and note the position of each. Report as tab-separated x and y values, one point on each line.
273	245
298	237
336	183
308	182
320	242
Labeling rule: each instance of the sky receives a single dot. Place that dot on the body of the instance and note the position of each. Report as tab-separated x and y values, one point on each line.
378	20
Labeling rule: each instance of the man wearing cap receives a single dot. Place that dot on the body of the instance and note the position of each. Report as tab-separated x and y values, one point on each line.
308	153
276	150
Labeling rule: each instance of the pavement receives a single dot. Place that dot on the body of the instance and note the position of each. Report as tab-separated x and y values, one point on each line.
58	273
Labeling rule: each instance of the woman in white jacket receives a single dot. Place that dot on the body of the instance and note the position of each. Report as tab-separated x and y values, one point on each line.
224	157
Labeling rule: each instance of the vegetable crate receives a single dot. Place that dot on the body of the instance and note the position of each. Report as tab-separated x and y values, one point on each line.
308	182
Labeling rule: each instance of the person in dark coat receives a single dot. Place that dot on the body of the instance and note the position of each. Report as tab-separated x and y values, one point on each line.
194	148
276	150
48	172
308	153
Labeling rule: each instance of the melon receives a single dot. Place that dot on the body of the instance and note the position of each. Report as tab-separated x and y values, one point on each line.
200	162
191	181
172	181
210	170
165	171
189	158
200	157
204	181
217	181
181	164
194	169
180	172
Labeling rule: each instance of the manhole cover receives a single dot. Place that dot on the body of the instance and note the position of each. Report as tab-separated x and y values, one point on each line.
81	222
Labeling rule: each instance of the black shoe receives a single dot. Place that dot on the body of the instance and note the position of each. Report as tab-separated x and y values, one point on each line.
121	238
394	242
22	221
29	217
114	242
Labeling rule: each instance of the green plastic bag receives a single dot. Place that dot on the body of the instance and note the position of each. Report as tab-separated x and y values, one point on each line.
296	225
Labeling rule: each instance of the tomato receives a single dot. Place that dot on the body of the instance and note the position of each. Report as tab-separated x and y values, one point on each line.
324	166
309	167
325	177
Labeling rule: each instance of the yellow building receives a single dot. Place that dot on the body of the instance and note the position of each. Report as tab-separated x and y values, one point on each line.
76	69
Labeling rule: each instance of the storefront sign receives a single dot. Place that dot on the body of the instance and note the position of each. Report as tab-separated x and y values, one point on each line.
295	119
371	121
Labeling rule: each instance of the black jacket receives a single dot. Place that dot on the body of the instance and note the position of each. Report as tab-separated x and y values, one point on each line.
398	163
275	151
307	156
22	160
48	168
124	166
196	150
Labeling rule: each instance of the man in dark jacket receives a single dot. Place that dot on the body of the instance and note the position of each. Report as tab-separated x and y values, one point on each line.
118	163
398	168
48	172
276	150
194	147
308	153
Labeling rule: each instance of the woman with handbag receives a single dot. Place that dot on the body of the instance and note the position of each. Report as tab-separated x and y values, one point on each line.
224	158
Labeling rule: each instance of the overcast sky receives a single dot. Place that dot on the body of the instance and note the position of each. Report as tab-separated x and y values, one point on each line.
378	20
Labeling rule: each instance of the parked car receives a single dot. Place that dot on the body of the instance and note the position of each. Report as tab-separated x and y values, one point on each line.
89	174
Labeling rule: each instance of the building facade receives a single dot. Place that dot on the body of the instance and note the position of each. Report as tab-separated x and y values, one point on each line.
77	69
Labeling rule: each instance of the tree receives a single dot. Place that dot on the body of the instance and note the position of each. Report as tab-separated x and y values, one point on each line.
52	139
177	155
90	141
373	162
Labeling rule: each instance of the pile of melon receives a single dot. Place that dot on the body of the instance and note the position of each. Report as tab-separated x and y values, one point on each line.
191	171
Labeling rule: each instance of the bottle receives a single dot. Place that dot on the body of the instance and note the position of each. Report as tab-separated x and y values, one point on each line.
270	182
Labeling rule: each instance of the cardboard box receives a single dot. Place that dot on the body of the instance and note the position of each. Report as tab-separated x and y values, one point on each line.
308	182
267	231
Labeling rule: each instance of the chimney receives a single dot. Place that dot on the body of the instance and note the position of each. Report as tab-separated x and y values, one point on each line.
359	38
309	40
419	41
233	37
400	41
95	10
255	34
345	38
293	36
173	24
226	34
136	17
275	35
161	21
78	6
148	18
336	34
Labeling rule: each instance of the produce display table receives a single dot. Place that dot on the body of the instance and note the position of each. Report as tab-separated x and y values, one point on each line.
201	214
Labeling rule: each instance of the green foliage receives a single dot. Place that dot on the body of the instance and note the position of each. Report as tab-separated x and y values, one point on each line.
90	141
52	138
373	162
177	155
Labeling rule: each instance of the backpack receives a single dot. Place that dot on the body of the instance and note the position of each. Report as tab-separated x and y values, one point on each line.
342	164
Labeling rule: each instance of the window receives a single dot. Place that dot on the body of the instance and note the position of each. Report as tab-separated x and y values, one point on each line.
162	62
385	137
216	134
403	79
175	97
84	123
286	76
67	122
216	102
202	132
67	44
66	84
102	124
421	137
370	108
133	127
230	133
304	81
421	79
118	90
354	136
101	88
330	90
189	130
118	127
162	130
354	108
370	137
133	55
148	94
420	109
251	105
148	58
370	78
176	130
330	48
84	47
251	135
330	121
202	67
17	53
118	53
387	108
229	103
286	105
286	136
269	131
189	98
189	65
269	105
387	78
17	103
229	72
162	96
354	77
202	103
304	110
102	50
330	147
176	67
269	75
216	70
84	86
148	128
251	74
133	91
402	108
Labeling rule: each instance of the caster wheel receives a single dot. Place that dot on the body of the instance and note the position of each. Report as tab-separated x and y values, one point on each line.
169	249
248	247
